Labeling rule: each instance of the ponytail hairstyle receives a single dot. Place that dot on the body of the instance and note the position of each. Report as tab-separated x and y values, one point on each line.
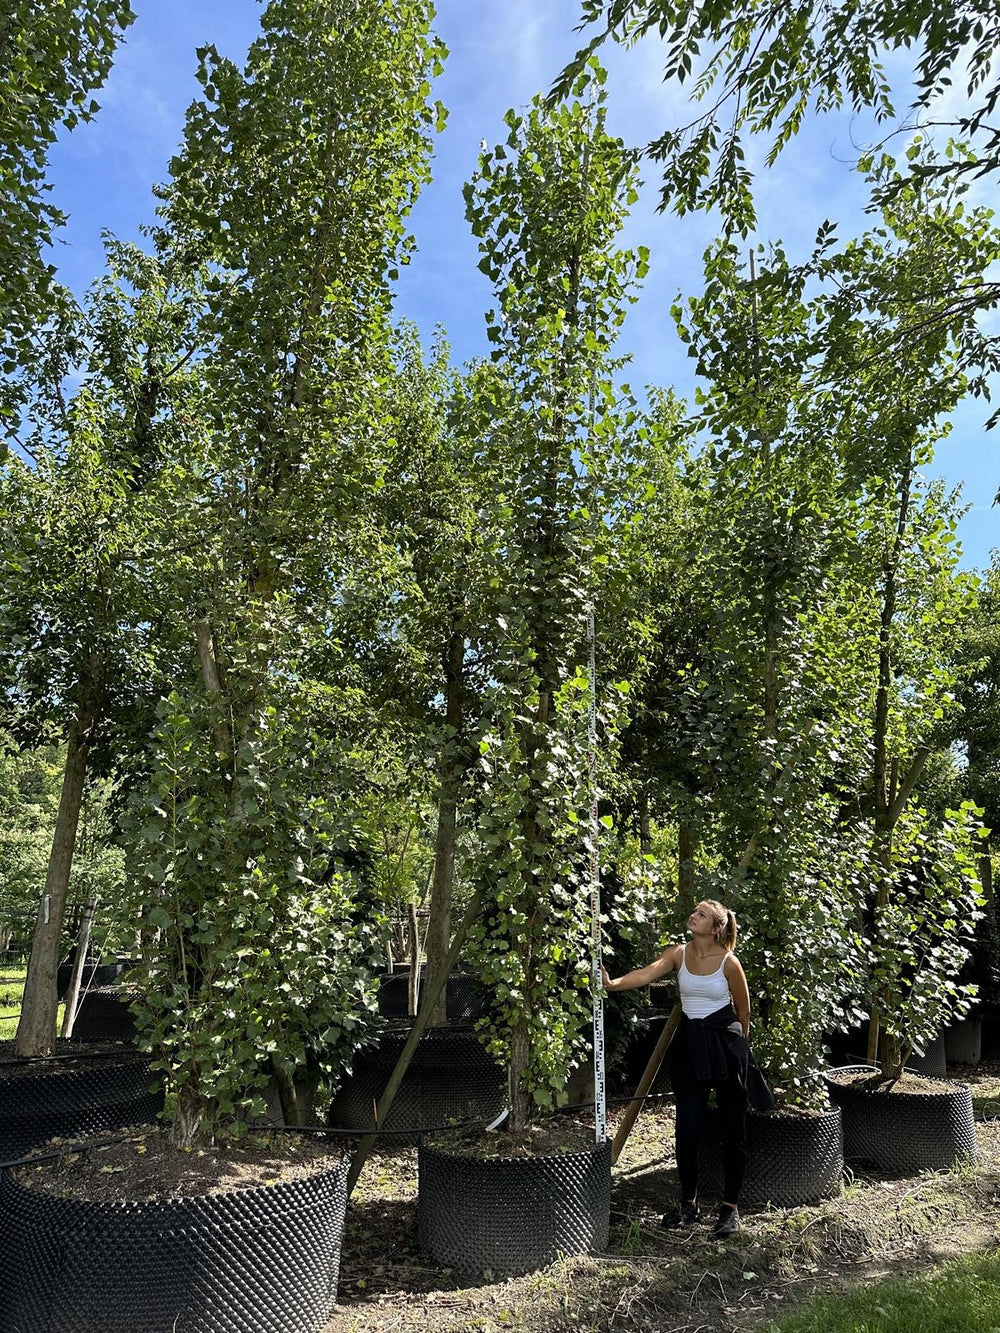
725	923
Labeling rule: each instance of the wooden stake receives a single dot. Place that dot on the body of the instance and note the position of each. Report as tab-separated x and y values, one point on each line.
645	1083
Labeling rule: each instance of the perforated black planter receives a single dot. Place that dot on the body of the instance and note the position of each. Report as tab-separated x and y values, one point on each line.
850	1047
991	1032
94	974
933	1062
260	1260
104	1015
68	1097
465	998
792	1159
65	971
512	1215
900	1133
450	1078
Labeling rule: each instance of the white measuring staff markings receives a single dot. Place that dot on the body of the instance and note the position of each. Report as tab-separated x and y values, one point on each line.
600	1102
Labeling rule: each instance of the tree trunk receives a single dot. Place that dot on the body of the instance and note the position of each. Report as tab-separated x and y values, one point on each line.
520	1055
885	798
80	958
413	986
185	1124
287	1096
452	767
412	1041
36	1030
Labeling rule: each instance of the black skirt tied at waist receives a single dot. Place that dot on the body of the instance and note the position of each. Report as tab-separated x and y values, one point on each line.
719	1051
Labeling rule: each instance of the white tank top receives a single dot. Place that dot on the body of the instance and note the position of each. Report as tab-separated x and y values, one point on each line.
701	996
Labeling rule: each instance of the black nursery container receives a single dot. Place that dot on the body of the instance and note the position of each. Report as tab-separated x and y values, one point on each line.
450	1078
105	1015
848	1048
88	977
899	1133
105	973
510	1215
66	1096
259	1260
792	1158
465	996
933	1063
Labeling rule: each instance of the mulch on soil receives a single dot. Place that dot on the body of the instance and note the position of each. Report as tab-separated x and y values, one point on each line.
550	1138
143	1165
906	1085
655	1281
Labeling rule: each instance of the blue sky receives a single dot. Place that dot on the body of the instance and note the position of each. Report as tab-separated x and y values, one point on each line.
501	53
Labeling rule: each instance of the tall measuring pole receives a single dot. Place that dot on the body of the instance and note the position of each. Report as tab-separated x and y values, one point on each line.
594	823
596	986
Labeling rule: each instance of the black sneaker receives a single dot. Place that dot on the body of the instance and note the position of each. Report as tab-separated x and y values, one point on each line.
684	1216
729	1221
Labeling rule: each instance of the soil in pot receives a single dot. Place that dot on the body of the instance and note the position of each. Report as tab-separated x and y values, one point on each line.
241	1238
550	1139
505	1209
142	1165
66	1049
912	1124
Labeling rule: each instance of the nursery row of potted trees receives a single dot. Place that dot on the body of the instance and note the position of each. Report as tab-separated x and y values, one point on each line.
281	474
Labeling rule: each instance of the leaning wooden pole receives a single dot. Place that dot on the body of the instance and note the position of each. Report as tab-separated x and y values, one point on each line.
432	991
645	1083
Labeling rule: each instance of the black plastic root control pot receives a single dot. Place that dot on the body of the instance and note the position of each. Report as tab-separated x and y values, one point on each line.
792	1159
510	1215
450	1078
66	1096
259	1260
901	1133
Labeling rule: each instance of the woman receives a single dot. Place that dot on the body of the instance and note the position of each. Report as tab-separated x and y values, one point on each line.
709	1051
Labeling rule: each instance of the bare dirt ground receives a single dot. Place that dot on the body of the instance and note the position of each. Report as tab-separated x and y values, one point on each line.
667	1282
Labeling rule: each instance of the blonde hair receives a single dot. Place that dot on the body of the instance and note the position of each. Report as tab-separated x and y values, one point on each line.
725	923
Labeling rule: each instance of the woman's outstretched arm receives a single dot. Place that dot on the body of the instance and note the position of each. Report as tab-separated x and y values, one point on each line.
668	961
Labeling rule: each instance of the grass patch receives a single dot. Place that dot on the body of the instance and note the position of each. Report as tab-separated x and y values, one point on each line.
11	989
959	1296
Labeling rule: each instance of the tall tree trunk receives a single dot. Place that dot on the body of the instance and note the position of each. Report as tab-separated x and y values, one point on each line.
79	960
36	1030
413	982
520	1056
452	770
885	798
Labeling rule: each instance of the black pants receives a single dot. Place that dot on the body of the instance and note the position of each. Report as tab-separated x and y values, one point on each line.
691	1100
